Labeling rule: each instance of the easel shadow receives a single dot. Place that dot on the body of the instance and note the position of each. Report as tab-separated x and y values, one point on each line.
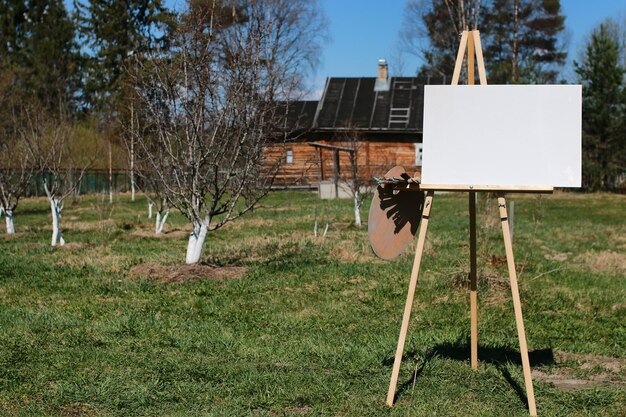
497	356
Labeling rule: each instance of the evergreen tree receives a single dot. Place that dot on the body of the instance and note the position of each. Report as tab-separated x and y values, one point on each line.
604	109
522	41
112	30
521	38
38	47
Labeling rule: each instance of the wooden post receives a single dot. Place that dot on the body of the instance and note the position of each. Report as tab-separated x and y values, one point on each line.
419	250
517	306
470	59
459	59
473	284
336	168
472	213
482	74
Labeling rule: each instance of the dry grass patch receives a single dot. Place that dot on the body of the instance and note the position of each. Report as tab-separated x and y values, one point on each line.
86	226
173	234
579	371
184	273
605	261
17	235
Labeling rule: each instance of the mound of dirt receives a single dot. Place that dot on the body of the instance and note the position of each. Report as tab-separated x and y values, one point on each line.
184	273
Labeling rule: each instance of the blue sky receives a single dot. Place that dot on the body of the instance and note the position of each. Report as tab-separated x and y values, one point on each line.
363	31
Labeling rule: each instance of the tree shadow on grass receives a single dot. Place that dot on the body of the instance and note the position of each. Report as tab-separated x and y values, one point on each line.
500	357
22	211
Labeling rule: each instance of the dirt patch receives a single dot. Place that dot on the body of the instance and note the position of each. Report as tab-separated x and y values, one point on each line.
76	410
183	273
298	411
579	371
73	246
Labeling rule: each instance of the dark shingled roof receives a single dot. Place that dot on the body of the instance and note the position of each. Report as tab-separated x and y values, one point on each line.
352	103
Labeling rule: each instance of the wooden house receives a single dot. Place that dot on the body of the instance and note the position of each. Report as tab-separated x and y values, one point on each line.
376	121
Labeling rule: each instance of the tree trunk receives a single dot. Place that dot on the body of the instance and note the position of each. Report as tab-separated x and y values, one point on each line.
160	221
9	222
55	208
196	243
150	204
110	173
132	183
515	57
132	152
357	209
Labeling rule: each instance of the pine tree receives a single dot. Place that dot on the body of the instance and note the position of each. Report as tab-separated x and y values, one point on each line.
604	109
522	41
38	46
112	30
521	38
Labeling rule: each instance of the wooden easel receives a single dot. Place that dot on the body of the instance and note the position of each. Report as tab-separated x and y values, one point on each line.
470	42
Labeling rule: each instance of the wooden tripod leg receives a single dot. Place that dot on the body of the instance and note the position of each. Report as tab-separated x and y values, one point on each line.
419	250
519	320
473	282
459	58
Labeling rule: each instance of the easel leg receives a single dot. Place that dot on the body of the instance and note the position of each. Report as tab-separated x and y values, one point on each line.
519	320
409	298
473	282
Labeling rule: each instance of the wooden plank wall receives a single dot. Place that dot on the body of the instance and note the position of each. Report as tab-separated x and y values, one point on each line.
373	159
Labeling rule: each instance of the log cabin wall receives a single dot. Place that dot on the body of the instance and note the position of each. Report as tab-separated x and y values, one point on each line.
305	167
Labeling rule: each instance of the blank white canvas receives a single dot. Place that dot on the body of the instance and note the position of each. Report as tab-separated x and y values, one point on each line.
502	135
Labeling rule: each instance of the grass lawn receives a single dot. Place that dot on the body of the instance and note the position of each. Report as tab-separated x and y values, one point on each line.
310	328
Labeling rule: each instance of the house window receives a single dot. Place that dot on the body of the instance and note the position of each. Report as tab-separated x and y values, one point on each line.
418	154
289	156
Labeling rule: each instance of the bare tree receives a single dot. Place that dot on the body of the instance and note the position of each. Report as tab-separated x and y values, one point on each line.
16	162
153	190
211	102
16	172
61	158
356	180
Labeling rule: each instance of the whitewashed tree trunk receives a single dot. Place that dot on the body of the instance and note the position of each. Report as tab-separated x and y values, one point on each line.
160	221
196	243
132	151
150	205
357	209
9	222
132	183
110	174
1	211
56	208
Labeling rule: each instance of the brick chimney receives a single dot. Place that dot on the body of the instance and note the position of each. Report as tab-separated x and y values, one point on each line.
382	69
382	80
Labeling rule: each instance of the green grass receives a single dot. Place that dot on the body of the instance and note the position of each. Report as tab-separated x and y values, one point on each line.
312	328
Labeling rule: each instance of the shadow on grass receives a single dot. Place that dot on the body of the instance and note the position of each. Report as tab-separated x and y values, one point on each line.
497	356
32	210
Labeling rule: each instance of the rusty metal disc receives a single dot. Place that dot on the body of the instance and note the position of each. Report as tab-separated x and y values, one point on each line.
394	217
